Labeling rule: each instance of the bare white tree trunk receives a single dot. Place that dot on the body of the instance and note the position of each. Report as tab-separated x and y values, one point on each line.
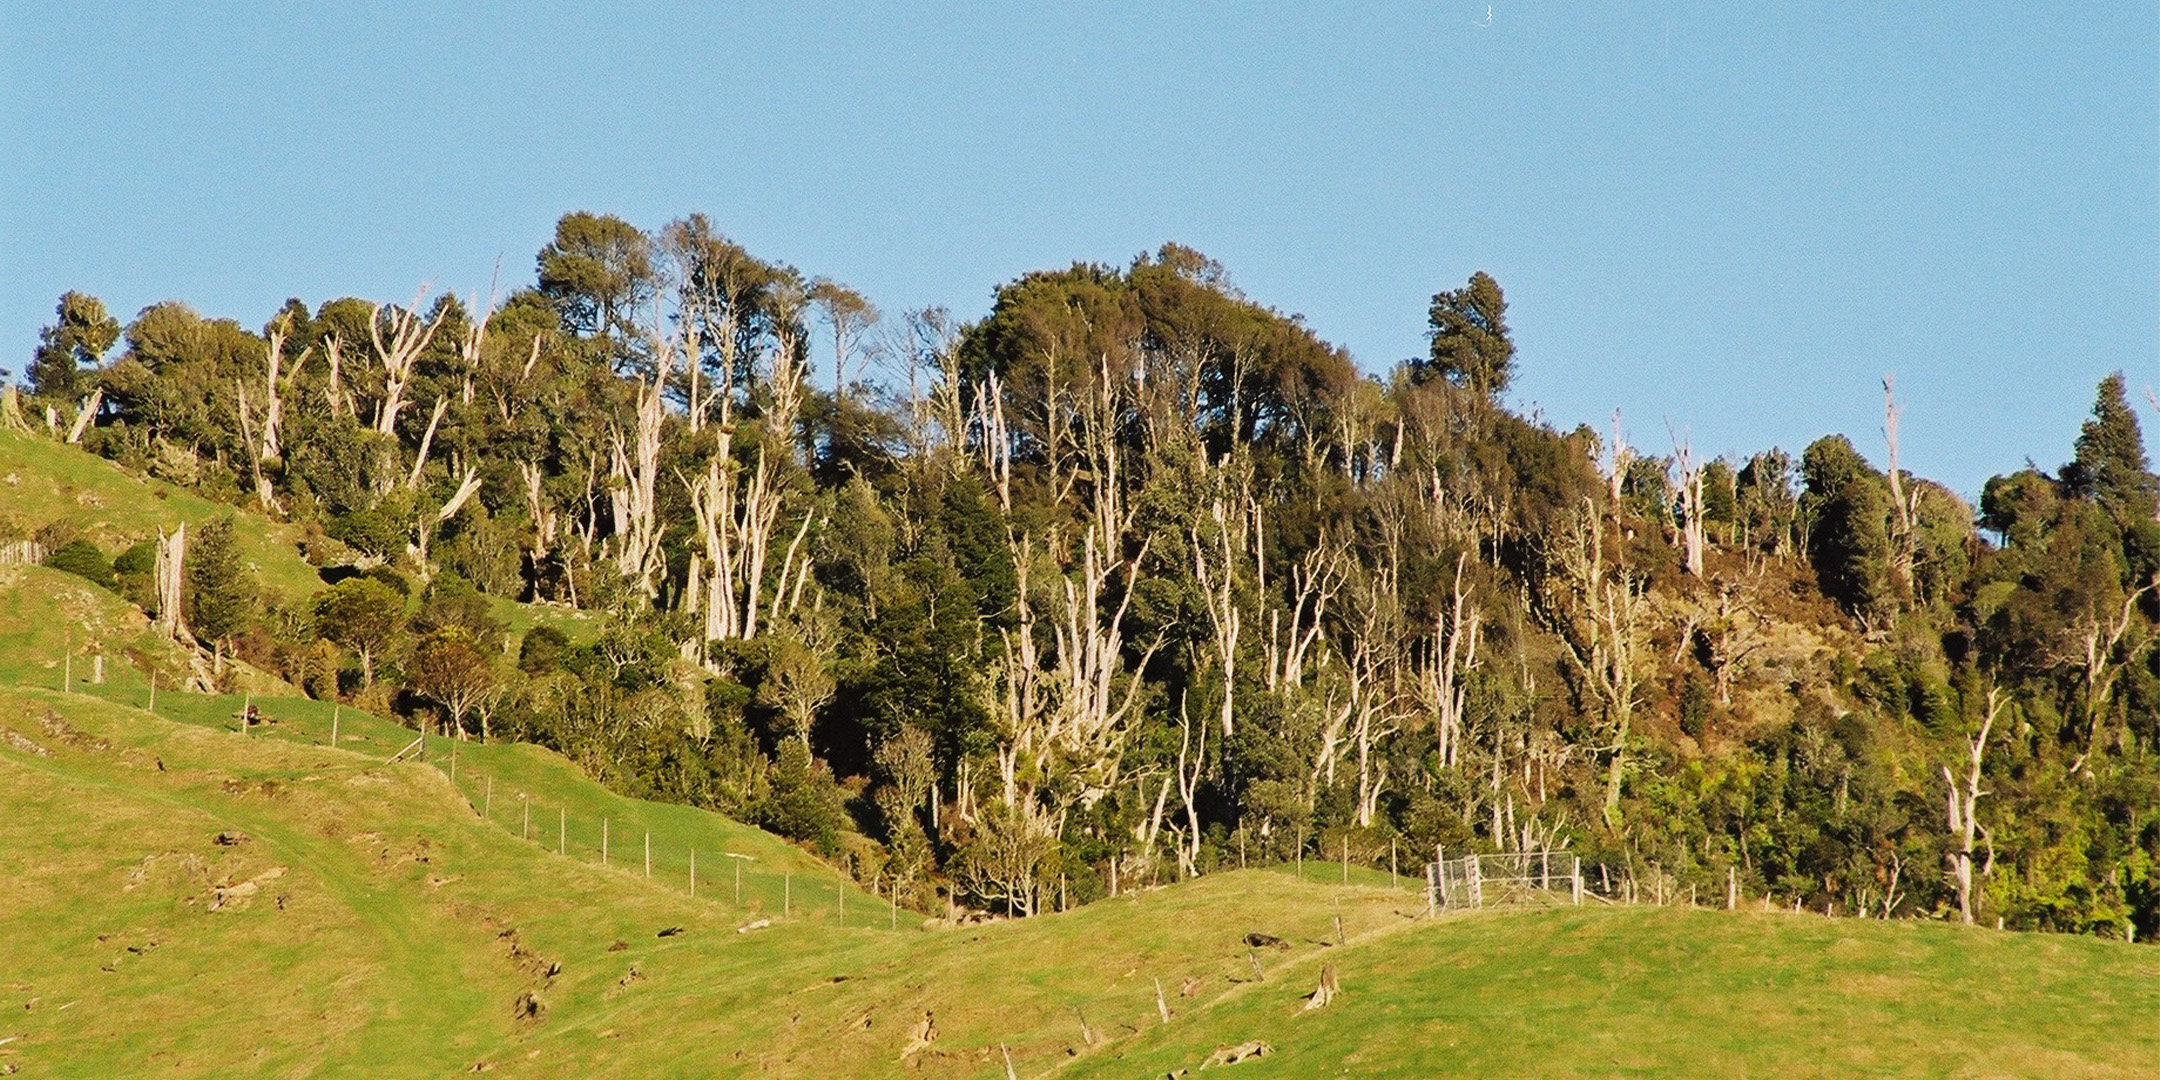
11	414
408	336
1618	456
1602	630
537	507
1191	765
427	443
1292	633
1217	554
334	390
168	580
466	489
2096	635
1689	489
634	477
85	413
1452	652
1963	819
1905	504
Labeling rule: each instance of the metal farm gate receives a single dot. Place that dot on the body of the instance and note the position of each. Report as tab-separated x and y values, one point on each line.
1518	877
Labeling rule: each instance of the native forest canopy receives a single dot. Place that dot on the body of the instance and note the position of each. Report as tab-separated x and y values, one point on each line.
1137	578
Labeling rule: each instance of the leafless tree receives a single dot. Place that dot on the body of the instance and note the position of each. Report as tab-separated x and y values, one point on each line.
1964	804
407	337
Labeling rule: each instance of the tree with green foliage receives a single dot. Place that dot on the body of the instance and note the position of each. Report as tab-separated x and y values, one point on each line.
79	338
449	670
1850	542
221	597
804	804
1470	343
361	614
2110	467
2110	464
598	270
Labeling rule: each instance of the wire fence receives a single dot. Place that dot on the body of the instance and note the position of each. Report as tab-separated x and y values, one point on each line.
1515	877
702	867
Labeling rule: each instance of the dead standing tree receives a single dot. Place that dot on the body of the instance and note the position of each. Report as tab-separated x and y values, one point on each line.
267	437
738	512
1688	505
2096	639
1964	819
424	528
1596	611
1318	576
1450	654
1064	718
168	580
85	414
634	476
1191	768
848	315
407	337
1221	546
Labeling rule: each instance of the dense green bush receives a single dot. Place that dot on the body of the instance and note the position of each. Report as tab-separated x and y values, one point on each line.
82	559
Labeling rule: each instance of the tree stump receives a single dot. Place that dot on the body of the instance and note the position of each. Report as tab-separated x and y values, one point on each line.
1326	991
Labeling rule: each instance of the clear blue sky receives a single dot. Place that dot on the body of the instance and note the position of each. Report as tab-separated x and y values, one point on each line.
1730	217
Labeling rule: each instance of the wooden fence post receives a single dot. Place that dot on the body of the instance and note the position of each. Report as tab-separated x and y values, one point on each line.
334	711
1578	879
1346	859
525	830
1732	888
1439	855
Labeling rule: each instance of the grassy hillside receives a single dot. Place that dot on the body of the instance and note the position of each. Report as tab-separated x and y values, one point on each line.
364	919
1671	992
43	482
46	481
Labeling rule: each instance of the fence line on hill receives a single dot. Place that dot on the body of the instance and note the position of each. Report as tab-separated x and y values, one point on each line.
1468	881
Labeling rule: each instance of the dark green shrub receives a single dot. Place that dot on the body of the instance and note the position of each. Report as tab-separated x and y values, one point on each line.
82	559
